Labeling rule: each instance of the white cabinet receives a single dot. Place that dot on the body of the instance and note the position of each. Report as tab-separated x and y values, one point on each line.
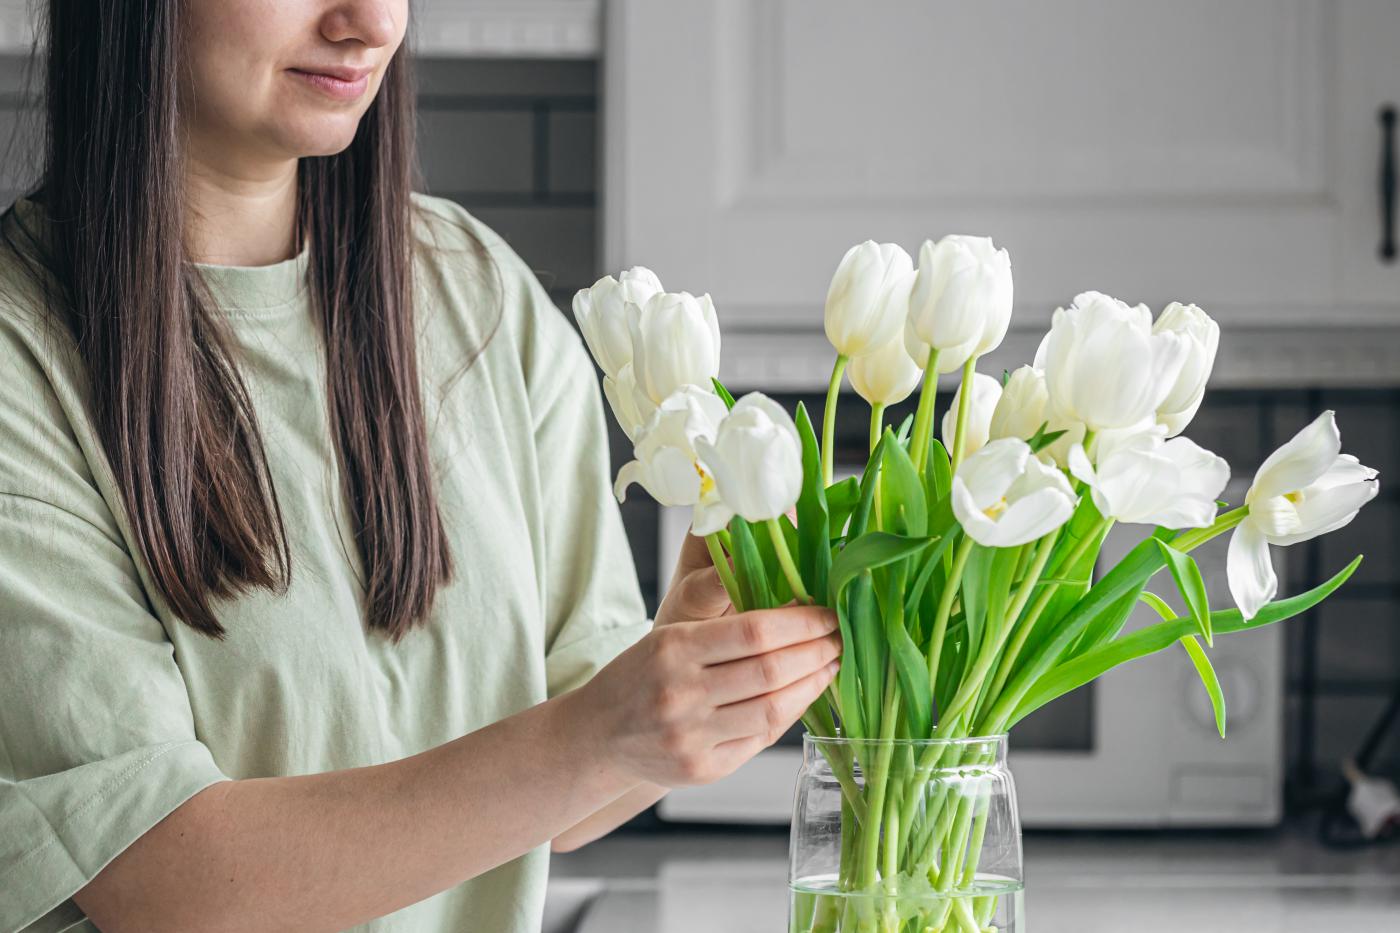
1222	153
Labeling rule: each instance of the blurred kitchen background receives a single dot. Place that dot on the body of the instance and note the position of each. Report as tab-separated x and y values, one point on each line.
1228	154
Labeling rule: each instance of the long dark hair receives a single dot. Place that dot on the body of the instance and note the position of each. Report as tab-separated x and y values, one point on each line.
172	412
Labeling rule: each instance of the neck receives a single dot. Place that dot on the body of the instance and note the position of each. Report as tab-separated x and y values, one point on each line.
240	215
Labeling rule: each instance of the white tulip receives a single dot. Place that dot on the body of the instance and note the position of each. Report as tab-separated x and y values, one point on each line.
675	342
622	396
667	465
859	318
1021	407
1143	479
1306	488
962	294
986	393
1003	496
604	312
1203	340
949	360
886	375
756	459
1103	365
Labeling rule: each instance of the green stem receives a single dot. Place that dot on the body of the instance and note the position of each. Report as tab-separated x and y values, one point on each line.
833	390
964	406
967	691
945	608
794	579
1198	536
726	573
923	416
877	424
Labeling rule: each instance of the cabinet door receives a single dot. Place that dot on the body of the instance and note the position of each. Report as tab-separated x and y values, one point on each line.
1368	79
1153	150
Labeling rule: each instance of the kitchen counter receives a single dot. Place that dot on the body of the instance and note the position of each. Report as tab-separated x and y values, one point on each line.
1246	882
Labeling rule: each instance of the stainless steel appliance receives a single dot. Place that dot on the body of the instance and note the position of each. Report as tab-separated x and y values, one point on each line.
1138	747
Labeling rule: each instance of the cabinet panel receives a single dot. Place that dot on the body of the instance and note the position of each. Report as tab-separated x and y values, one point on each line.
1158	151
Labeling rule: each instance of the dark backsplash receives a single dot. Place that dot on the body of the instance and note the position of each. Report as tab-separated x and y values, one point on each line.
516	143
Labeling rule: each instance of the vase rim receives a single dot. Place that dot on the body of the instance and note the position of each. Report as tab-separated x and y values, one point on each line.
951	740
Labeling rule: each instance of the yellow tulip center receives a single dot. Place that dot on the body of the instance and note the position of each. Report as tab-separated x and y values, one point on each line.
707	484
994	510
1296	496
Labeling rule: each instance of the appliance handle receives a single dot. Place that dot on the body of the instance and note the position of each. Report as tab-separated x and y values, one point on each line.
1388	183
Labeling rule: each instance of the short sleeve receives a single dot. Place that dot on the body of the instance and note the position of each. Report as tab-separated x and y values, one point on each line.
593	602
97	741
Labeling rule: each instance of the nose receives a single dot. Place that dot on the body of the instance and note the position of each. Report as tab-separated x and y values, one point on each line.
375	23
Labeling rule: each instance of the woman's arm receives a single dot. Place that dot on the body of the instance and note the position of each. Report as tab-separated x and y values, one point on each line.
329	851
687	704
610	817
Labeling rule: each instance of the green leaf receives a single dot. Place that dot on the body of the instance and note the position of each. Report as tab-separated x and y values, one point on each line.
909	663
902	435
1190	584
1159	604
861	516
976	577
723	393
874	549
841	499
902	495
848	677
813	521
1208	678
780	591
1043	439
1092	664
870	647
938	472
748	566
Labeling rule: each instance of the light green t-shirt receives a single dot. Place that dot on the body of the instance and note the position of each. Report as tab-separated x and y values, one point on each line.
113	713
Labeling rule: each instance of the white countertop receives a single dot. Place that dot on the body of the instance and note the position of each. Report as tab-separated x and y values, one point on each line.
1250	882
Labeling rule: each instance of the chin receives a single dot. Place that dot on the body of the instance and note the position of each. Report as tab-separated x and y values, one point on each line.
321	136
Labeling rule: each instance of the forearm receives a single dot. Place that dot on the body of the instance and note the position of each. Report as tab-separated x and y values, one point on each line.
613	815
328	851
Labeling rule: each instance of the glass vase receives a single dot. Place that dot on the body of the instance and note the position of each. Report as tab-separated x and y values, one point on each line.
905	836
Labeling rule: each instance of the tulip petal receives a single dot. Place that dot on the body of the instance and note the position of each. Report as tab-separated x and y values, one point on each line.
1250	570
1033	516
709	516
1326	510
989	473
632	472
1301	461
975	523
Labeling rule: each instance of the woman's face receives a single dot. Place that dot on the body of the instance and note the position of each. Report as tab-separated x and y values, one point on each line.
280	79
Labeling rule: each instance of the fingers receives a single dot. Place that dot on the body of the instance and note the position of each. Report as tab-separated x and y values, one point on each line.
768	716
758	631
738	680
700	594
695	555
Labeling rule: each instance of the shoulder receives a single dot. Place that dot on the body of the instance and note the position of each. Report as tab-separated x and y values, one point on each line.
466	264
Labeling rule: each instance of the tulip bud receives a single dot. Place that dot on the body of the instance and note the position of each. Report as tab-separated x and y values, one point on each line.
675	342
859	317
962	294
1103	365
949	360
1020	409
1203	339
986	393
756	459
885	375
603	315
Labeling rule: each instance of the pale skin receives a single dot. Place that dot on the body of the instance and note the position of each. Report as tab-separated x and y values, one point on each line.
689	703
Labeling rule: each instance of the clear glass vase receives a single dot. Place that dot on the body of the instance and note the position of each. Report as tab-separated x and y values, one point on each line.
905	836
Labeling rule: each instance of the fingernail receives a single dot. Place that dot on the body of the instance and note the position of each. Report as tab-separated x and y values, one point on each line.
833	666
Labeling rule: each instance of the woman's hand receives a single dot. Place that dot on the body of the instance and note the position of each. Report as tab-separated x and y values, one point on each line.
694	699
695	591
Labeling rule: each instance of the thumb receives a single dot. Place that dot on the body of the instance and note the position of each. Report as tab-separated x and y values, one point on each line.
695	555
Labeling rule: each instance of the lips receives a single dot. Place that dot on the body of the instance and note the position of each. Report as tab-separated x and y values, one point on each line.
336	81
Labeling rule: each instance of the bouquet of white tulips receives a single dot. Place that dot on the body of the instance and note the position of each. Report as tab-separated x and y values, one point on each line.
961	567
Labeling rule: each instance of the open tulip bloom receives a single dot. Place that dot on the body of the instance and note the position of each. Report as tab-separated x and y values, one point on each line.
963	570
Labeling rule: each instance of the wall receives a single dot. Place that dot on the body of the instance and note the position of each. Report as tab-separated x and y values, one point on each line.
515	142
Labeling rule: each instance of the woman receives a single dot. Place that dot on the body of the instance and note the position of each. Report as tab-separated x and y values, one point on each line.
314	604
